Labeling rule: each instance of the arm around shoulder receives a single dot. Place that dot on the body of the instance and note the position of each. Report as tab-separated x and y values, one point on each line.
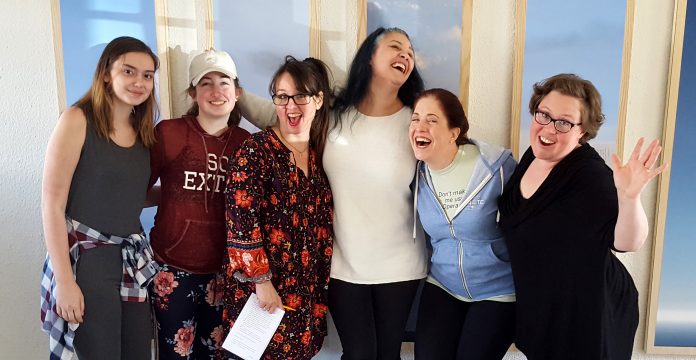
259	111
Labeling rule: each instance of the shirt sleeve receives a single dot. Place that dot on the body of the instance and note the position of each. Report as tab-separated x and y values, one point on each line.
245	208
259	111
156	156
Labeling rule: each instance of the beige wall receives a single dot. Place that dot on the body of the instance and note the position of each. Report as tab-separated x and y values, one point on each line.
29	101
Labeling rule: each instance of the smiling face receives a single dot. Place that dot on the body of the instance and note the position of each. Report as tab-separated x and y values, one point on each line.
549	144
132	78
393	59
215	95
432	140
295	120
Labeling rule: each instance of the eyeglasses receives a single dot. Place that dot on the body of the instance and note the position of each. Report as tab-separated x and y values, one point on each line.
299	99
561	125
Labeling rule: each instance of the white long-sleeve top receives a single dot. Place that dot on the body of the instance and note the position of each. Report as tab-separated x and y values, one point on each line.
370	166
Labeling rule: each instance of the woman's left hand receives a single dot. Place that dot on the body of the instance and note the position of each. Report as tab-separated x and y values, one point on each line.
631	178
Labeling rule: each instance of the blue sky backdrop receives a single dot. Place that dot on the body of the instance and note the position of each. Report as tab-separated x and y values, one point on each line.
676	314
88	25
435	29
581	37
258	35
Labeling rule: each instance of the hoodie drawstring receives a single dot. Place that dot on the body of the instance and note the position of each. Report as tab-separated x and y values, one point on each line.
217	168
415	200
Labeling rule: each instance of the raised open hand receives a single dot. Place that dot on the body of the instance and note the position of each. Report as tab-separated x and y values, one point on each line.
630	178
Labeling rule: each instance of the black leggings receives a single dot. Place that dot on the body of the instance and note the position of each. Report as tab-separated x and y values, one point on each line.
370	319
449	328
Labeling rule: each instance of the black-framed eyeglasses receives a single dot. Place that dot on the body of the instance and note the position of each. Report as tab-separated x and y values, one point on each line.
299	99
561	125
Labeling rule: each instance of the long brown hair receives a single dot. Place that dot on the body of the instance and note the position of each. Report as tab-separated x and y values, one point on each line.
311	76
97	103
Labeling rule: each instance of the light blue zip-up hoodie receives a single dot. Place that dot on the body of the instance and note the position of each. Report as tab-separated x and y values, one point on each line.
470	258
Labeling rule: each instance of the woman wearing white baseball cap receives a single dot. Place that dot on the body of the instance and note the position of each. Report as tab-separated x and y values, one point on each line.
190	158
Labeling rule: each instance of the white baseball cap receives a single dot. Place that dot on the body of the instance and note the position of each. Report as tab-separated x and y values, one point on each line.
211	60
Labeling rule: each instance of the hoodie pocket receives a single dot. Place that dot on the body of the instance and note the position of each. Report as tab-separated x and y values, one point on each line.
444	266
200	244
485	261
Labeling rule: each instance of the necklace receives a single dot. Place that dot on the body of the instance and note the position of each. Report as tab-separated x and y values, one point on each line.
291	145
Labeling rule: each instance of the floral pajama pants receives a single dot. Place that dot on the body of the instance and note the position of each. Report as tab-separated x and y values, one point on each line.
188	314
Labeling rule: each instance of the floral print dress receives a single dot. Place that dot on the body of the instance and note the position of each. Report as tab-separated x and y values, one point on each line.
279	226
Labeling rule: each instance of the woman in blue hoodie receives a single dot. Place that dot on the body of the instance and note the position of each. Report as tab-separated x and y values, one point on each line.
467	304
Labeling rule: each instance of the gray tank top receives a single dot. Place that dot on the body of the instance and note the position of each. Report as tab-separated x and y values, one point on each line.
109	186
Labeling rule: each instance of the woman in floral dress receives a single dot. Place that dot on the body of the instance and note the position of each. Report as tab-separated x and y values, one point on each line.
279	214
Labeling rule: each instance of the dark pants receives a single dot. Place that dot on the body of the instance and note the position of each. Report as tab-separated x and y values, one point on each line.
112	329
188	313
449	328
370	319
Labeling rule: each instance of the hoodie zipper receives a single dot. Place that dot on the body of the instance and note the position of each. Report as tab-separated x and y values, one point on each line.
460	247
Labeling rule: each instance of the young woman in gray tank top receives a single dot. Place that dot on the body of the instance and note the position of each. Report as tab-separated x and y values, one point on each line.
94	187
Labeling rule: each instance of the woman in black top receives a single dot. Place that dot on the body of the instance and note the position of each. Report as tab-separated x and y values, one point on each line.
562	215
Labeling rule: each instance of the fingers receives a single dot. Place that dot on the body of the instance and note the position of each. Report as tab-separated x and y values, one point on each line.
645	155
71	315
652	157
270	306
659	170
636	149
615	161
78	314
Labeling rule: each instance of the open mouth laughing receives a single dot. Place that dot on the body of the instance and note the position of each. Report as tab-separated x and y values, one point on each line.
546	141
399	66
422	142
294	119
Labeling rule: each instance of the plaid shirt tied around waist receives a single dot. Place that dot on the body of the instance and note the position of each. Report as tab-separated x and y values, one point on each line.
139	268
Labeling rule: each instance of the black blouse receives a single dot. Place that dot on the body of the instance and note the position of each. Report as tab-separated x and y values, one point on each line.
575	300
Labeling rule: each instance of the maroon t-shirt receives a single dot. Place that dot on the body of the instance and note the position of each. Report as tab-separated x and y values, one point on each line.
189	231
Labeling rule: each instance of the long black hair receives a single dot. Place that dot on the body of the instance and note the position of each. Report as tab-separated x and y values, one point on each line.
360	75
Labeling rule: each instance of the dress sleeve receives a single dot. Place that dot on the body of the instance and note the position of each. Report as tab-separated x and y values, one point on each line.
245	208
